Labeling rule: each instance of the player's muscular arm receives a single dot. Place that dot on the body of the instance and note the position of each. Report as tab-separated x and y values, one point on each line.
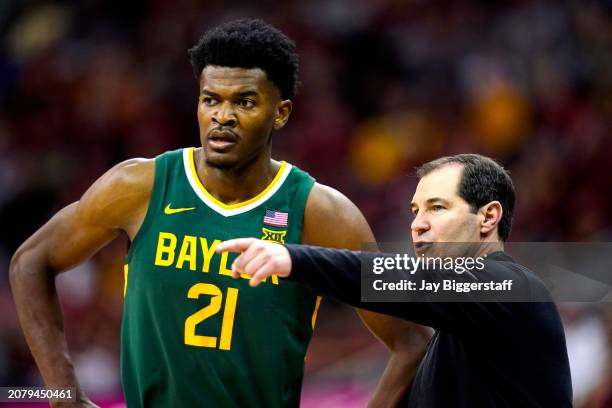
332	220
116	202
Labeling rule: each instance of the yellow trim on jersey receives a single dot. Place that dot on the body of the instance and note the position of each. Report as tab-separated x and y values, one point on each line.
316	310
125	278
221	204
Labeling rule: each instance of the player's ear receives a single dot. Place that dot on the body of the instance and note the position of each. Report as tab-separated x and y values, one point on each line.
283	110
491	214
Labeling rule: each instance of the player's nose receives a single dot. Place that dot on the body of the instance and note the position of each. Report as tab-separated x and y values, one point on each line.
225	115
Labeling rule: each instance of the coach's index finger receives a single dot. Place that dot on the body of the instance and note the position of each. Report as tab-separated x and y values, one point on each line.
235	245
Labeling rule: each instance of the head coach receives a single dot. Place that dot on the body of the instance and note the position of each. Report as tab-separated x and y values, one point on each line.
484	353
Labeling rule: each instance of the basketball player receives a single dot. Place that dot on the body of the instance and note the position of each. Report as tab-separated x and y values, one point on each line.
191	335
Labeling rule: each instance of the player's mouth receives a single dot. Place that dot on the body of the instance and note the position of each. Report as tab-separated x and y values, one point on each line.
222	140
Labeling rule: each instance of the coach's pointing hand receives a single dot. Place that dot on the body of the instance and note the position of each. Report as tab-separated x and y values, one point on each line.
258	259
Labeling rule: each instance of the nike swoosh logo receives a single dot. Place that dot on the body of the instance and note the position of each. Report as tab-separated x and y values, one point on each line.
169	210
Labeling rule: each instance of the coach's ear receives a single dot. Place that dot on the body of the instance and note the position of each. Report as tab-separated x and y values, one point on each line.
283	110
490	215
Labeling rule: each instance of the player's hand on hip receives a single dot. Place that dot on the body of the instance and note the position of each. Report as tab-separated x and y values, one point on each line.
258	259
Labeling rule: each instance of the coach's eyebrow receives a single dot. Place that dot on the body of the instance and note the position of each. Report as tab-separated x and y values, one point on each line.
437	200
431	201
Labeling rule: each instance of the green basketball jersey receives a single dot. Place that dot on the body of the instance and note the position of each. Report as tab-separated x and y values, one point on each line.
192	336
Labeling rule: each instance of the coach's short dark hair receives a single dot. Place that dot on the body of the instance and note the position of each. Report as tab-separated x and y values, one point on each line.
249	43
483	180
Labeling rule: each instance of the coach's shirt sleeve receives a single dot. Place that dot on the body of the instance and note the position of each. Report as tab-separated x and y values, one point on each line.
483	354
337	273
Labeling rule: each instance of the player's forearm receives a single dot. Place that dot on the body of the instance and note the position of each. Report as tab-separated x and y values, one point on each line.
408	343
394	385
40	316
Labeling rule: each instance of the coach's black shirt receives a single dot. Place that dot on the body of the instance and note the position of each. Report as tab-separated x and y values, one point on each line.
483	354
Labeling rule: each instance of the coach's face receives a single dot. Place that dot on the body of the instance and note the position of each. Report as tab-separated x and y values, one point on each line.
441	215
237	110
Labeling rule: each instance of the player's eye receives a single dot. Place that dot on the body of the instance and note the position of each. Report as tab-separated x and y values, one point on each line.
436	208
208	101
415	211
246	103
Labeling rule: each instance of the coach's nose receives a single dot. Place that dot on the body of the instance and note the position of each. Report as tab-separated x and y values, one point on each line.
419	225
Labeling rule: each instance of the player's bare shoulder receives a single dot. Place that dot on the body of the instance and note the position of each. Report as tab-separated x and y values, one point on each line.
331	219
121	196
325	201
116	202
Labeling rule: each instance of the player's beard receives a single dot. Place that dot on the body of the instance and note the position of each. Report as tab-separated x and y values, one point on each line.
221	164
221	160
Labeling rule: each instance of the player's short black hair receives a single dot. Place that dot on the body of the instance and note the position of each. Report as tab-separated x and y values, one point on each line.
483	180
249	43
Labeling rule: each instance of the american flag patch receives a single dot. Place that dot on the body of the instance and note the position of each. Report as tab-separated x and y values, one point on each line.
276	218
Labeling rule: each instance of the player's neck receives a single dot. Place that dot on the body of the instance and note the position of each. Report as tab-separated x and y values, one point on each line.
235	185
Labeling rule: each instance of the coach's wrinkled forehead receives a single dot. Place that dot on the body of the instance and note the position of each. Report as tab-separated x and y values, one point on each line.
441	184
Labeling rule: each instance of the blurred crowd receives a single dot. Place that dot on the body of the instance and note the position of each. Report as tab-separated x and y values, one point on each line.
385	86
